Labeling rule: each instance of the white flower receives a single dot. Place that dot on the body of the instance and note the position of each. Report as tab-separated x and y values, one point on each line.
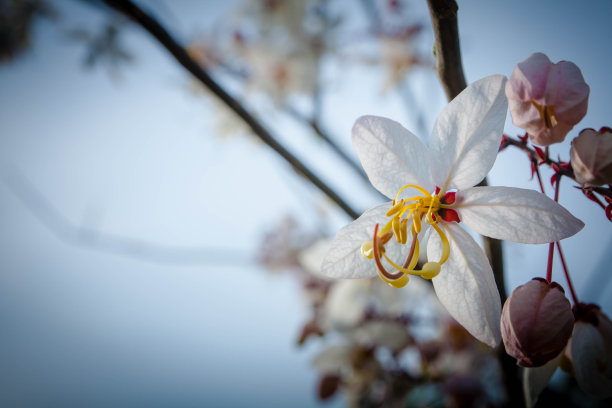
463	148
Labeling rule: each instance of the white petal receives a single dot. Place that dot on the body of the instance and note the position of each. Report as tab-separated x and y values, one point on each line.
344	259
465	285
515	214
590	360
467	134
535	379
391	156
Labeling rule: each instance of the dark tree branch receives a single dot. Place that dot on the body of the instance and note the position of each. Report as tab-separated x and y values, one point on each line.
154	28
450	71
447	50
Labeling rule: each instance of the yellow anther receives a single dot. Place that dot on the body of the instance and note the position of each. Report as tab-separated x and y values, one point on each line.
397	283
430	270
366	249
416	223
547	113
396	208
396	228
384	238
404	230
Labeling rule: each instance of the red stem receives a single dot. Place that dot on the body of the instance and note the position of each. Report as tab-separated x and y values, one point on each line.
551	246
567	276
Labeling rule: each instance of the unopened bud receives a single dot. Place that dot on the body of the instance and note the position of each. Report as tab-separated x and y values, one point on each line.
591	156
536	322
546	99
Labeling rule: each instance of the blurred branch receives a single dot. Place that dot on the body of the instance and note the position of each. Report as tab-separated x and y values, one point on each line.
180	54
450	71
314	125
60	226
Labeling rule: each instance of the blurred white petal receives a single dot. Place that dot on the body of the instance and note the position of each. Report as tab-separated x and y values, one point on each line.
590	360
535	379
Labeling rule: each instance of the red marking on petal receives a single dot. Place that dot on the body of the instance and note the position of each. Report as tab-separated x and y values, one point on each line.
553	179
448	198
449	215
609	212
437	190
555	167
524	137
533	169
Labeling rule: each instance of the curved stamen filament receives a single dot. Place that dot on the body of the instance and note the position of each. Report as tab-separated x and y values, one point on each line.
376	252
421	189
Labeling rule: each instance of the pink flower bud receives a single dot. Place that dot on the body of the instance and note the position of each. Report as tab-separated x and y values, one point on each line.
536	322
591	156
546	99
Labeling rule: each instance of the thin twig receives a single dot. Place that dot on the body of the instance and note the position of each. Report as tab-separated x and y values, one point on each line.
182	57
65	230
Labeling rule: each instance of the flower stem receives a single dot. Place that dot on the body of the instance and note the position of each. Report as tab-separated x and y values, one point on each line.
567	275
551	246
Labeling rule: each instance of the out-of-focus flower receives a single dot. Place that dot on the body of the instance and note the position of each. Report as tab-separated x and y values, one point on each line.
348	302
536	322
279	73
590	351
398	55
546	99
437	183
591	156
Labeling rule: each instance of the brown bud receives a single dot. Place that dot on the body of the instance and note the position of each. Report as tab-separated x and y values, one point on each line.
591	156
536	322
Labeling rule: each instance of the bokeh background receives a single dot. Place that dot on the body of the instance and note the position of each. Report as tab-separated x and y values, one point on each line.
131	224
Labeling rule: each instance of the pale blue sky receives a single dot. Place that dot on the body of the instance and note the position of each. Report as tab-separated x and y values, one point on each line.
138	158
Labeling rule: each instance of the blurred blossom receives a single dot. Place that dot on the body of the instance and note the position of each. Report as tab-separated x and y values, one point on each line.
590	351
591	156
279	73
438	181
349	300
546	99
399	56
536	322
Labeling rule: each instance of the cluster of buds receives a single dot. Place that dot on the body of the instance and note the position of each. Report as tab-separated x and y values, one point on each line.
539	326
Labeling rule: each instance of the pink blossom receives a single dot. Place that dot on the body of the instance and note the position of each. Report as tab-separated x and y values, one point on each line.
536	322
546	99
591	156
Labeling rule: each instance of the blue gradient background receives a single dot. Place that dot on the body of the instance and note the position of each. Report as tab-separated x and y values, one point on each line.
137	158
